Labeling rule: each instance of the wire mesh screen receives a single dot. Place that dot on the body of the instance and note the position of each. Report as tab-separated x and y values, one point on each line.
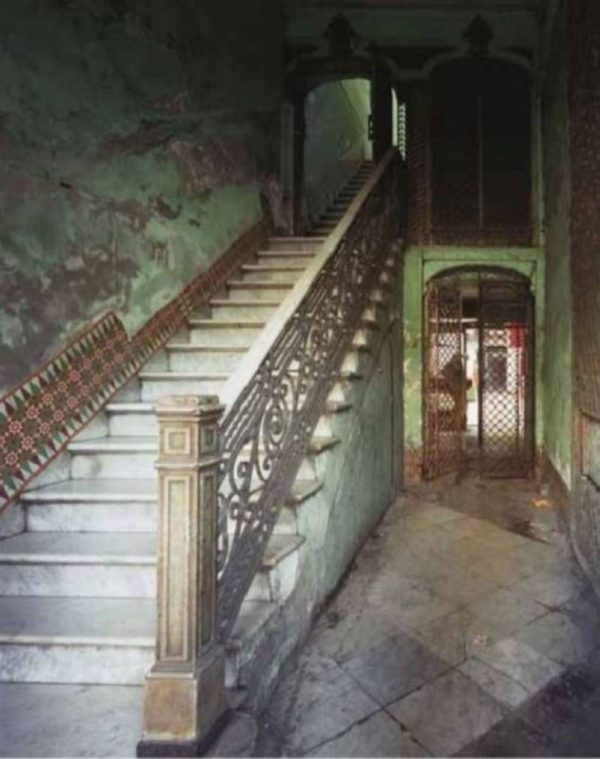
506	412
444	381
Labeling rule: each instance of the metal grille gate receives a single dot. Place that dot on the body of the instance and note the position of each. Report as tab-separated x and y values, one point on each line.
443	380
506	390
505	397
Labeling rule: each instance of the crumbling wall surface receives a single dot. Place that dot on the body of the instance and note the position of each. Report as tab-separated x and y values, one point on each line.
557	200
583	32
136	138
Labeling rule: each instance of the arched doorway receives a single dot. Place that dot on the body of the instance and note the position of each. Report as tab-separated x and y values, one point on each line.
478	376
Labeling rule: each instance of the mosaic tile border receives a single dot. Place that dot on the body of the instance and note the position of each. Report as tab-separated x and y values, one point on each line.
43	413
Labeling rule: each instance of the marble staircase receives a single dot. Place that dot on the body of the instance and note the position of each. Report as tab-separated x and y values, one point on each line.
77	587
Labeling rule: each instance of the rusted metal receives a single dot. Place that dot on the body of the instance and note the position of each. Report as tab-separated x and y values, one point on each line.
505	418
506	372
444	380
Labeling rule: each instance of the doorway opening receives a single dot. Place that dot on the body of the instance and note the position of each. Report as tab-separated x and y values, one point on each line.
478	374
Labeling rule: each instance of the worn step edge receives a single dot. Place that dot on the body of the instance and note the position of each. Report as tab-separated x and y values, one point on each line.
302	490
75	640
198	321
274	554
248	284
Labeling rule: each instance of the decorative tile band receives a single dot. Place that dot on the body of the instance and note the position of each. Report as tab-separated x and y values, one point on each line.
41	415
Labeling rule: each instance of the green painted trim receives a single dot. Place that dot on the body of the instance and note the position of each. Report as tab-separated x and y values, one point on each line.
421	265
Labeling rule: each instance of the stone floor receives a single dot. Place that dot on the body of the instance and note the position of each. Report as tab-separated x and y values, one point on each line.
464	628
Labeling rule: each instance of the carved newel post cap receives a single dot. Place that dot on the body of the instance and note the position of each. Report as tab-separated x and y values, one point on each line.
186	404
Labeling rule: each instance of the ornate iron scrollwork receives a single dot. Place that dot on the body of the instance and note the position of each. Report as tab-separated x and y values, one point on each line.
268	429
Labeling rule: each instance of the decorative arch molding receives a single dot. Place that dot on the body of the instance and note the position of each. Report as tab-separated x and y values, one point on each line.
495	53
518	271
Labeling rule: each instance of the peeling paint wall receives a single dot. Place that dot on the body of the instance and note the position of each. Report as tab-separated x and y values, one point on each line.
557	174
136	139
336	138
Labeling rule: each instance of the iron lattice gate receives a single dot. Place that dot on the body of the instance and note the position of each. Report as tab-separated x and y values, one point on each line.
443	381
506	382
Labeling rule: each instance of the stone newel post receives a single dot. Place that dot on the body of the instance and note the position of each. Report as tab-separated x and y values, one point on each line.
184	699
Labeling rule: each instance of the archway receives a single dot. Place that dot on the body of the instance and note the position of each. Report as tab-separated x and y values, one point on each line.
478	376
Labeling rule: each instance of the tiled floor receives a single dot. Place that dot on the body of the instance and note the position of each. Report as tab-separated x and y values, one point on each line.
464	628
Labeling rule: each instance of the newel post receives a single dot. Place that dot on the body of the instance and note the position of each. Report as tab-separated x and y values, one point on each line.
184	697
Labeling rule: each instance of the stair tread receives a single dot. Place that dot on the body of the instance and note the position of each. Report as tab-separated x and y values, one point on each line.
290	238
284	253
200	348
273	267
303	489
79	547
68	620
268	284
167	375
278	547
253	615
244	303
198	321
115	444
95	490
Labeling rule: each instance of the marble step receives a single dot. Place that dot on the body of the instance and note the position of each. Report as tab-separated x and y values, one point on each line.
195	357
76	640
246	308
293	243
115	565
253	290
124	506
117	457
267	271
84	505
155	385
276	578
107	565
250	630
240	332
285	258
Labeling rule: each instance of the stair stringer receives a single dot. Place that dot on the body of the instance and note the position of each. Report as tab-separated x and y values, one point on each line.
335	520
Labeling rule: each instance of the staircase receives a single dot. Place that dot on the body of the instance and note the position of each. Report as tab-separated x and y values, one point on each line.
77	588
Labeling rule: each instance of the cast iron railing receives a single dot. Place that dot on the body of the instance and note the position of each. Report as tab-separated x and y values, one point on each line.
275	399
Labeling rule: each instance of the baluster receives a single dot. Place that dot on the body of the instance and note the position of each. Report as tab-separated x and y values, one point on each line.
184	698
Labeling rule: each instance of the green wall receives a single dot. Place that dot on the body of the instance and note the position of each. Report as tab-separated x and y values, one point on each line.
420	265
137	138
557	369
336	138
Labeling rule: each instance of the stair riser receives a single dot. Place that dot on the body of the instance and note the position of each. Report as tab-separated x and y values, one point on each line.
232	313
289	260
130	392
291	243
106	664
78	580
274	276
123	423
92	517
256	293
211	362
152	390
238	336
260	590
103	465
